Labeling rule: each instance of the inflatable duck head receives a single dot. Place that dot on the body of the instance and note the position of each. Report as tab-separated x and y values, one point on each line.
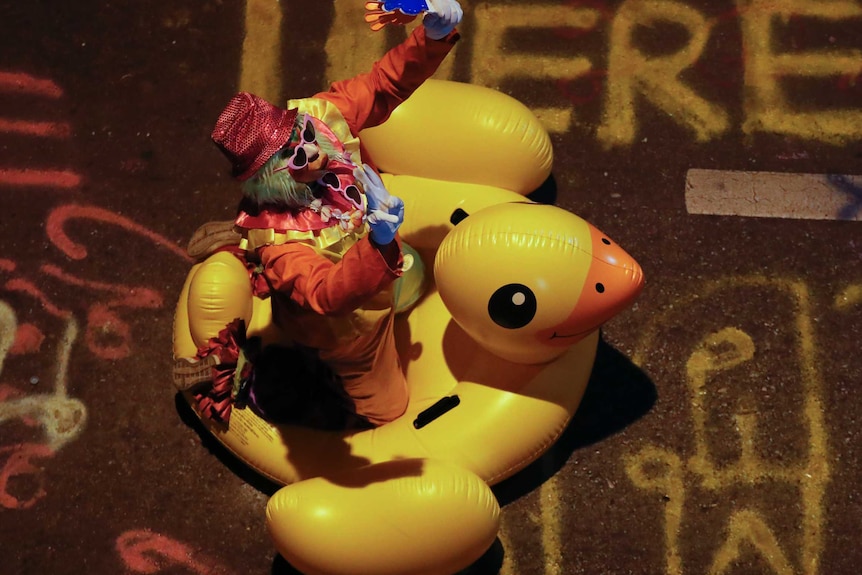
528	280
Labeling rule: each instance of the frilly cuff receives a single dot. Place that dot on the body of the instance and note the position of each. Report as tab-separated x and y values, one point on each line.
216	401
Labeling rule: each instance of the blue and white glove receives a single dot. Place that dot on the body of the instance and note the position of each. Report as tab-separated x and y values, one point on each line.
441	18
385	212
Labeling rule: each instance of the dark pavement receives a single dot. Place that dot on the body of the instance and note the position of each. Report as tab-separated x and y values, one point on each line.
720	430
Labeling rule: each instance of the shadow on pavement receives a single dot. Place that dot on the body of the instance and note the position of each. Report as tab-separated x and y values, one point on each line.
617	394
223	454
546	193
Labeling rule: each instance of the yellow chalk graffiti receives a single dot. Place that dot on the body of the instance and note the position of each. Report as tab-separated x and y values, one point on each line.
661	471
352	50
747	528
767	108
549	497
492	64
261	66
61	417
8	327
548	521
631	74
849	297
720	352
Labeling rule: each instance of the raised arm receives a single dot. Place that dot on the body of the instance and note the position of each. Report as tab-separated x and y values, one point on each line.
367	100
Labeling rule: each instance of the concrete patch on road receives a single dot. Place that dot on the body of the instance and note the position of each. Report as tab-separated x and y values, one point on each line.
774	195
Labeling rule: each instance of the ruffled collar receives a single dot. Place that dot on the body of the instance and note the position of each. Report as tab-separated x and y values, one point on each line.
328	210
338	201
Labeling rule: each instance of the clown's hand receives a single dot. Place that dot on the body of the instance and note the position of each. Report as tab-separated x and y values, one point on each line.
441	18
385	211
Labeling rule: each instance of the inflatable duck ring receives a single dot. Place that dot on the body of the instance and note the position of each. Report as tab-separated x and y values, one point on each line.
497	352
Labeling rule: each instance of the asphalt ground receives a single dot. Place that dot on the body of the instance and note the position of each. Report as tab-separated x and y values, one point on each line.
720	429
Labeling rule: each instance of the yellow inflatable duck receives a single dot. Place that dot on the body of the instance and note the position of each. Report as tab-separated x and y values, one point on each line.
497	351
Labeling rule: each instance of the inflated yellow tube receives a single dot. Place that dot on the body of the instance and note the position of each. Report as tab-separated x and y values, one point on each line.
463	133
409	497
219	289
440	359
406	511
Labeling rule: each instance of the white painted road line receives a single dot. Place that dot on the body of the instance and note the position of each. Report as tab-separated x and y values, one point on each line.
774	195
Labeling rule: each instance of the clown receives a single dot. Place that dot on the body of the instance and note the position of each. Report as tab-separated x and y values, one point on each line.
318	228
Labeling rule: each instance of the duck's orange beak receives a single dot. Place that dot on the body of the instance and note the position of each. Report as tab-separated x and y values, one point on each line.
613	282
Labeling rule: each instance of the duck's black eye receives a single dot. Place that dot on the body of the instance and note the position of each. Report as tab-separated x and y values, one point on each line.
512	306
600	287
606	241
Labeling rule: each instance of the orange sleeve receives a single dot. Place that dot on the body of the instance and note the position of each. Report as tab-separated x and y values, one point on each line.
367	100
314	282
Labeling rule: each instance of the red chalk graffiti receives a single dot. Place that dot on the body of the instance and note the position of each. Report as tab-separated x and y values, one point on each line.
104	325
45	178
107	334
146	552
128	296
18	82
19	464
27	287
59	216
43	129
27	84
28	339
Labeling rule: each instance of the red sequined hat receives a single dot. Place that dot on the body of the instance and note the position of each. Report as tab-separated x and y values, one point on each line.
250	130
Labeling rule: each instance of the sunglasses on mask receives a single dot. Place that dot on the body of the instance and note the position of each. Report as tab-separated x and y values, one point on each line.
299	158
350	191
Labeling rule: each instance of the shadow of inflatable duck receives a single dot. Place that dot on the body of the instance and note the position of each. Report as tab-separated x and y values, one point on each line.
497	350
